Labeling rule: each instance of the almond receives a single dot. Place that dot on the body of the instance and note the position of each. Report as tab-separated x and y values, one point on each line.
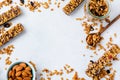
10	79
24	74
18	73
13	74
23	65
15	67
10	73
19	68
27	78
19	78
28	68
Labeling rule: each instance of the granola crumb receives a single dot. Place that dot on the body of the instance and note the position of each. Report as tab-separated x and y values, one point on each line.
115	35
45	5
76	77
5	68
7	61
52	9
7	50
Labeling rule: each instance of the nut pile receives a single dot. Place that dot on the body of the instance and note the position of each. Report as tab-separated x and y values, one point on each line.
93	39
20	71
98	7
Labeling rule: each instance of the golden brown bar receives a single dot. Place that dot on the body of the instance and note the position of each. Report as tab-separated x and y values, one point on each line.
95	67
71	6
11	33
10	14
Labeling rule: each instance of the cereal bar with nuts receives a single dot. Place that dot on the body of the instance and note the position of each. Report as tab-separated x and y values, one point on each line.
10	14
95	67
11	33
71	6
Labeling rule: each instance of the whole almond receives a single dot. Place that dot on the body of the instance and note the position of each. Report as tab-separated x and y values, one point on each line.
19	78
23	65
24	74
27	78
28	68
10	79
13	74
30	75
27	71
10	73
18	73
15	67
19	68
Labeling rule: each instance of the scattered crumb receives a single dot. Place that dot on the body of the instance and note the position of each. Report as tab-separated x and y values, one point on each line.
7	61
76	77
7	50
115	35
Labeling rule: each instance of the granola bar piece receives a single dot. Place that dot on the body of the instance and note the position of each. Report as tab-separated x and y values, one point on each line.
11	33
71	6
95	67
10	14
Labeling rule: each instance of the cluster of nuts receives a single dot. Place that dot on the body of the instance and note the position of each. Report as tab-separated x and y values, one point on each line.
93	39
98	7
20	71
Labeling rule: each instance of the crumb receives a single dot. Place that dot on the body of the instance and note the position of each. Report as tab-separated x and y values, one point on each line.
7	61
115	35
52	9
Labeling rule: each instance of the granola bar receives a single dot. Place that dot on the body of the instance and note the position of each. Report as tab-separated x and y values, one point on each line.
95	67
71	6
11	33
10	14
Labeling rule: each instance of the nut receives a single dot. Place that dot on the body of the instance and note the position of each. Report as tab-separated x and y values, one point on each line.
27	78
19	78
19	68
24	74
18	73
23	65
28	68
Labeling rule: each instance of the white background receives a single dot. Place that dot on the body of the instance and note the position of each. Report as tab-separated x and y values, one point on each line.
52	39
